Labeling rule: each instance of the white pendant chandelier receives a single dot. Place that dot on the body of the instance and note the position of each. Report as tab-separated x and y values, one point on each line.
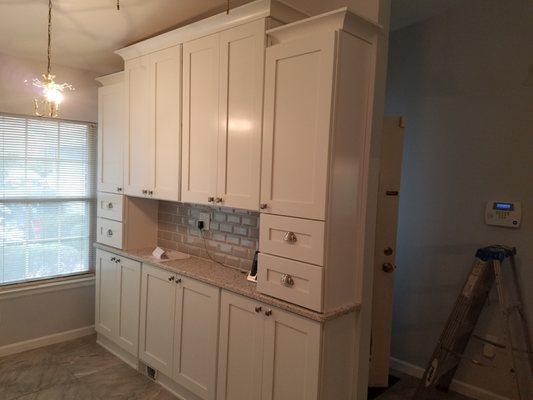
52	92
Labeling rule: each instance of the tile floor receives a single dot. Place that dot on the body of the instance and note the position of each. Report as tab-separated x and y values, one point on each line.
82	370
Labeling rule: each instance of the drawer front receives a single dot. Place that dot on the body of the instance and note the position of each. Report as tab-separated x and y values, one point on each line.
110	206
299	239
109	232
292	281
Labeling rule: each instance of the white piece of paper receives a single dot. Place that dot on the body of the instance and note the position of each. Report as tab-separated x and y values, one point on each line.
158	253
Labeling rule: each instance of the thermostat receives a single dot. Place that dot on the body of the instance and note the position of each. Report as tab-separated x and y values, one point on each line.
503	213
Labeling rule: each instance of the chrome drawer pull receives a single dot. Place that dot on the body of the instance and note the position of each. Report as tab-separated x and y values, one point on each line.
109	233
109	206
286	280
290	237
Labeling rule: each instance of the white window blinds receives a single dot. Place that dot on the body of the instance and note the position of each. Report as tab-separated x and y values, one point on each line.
47	184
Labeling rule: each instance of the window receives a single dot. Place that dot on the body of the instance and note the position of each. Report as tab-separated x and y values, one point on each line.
46	198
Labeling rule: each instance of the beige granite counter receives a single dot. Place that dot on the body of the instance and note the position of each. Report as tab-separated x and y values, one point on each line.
228	278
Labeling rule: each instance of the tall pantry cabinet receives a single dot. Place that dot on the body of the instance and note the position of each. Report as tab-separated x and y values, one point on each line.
222	114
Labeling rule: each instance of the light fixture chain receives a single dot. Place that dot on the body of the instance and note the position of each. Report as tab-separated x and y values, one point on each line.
49	36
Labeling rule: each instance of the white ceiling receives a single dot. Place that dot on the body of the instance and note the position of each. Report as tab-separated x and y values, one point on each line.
86	32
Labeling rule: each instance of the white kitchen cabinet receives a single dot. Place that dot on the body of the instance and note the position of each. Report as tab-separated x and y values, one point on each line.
222	114
117	299
266	353
200	119
298	102
156	336
139	145
242	53
153	91
196	336
111	130
291	357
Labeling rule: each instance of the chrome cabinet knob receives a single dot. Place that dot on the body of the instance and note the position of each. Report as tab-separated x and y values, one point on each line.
287	280
119	189
388	267
219	200
263	206
151	192
113	258
178	280
210	199
290	237
144	191
258	309
109	206
109	233
171	278
117	260
268	313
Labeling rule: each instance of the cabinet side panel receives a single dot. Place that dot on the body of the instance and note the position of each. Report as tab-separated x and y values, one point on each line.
140	223
344	257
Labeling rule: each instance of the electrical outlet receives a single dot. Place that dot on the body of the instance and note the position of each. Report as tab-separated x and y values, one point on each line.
206	219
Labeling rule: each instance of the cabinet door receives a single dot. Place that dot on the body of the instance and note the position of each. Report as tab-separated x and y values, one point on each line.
111	138
106	310
242	52
165	121
240	349
139	145
200	119
129	284
196	336
298	101
291	358
158	290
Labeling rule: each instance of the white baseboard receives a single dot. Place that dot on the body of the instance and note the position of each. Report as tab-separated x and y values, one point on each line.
460	387
45	340
117	351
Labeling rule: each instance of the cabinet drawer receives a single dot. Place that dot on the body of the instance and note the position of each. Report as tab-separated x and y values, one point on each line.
109	232
289	280
299	239
110	206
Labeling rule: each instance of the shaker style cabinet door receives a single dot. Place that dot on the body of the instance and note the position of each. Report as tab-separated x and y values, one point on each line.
158	291
165	121
297	114
196	336
139	149
240	349
242	52
106	312
128	289
111	129
200	119
291	358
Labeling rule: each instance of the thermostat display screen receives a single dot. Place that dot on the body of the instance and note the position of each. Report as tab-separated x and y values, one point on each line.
504	206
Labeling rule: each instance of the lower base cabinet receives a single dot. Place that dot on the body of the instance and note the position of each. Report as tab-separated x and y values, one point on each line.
117	299
179	329
266	353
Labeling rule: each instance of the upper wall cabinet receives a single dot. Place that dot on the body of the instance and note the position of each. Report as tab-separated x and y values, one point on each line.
298	99
222	116
153	90
111	133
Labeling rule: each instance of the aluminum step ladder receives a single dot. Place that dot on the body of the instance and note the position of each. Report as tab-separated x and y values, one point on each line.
486	271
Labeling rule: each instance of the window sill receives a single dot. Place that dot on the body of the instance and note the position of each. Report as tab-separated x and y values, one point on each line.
50	285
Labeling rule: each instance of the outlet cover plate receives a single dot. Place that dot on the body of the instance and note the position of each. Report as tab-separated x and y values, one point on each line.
206	217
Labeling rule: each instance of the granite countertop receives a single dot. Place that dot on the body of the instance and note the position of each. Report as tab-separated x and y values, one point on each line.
228	278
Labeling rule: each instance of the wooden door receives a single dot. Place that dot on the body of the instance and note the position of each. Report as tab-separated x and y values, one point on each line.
106	311
297	110
129	286
111	137
139	145
158	290
196	336
242	52
200	119
385	248
240	348
165	121
291	357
